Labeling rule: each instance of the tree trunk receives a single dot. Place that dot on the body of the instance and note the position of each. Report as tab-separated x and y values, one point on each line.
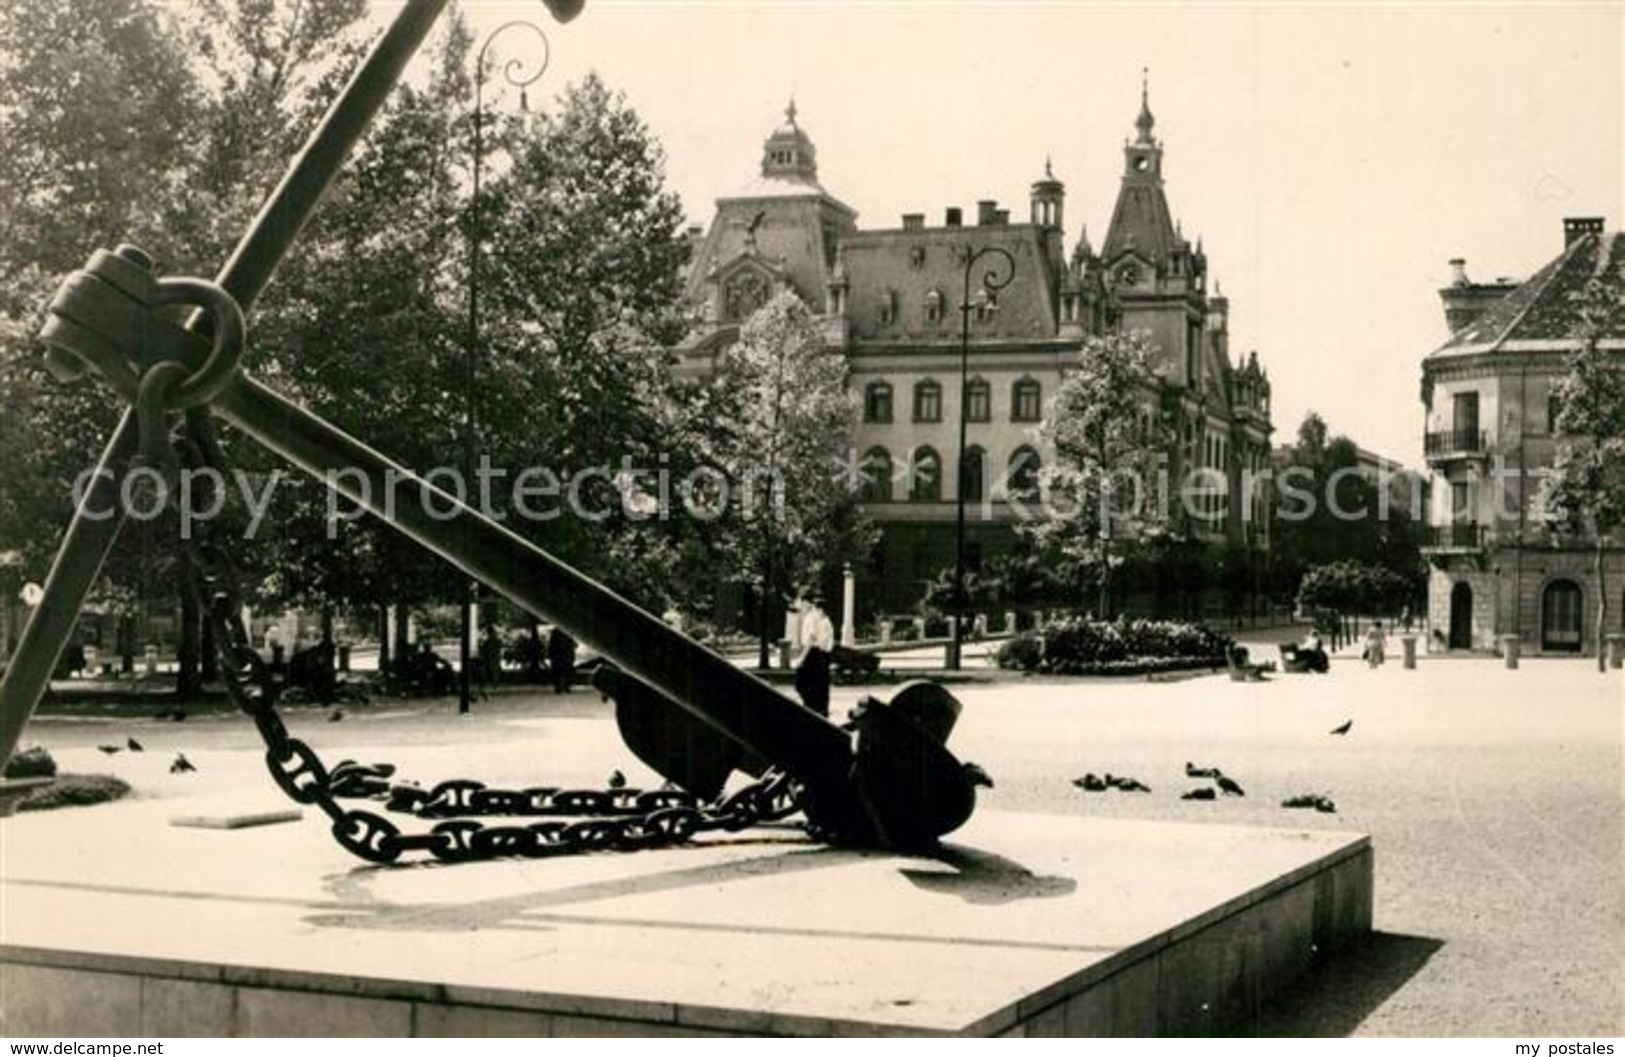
1602	609
1105	578
384	645
208	662
402	646
187	683
126	643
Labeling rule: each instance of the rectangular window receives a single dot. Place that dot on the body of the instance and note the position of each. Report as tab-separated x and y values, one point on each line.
1554	408
877	404
1464	415
978	404
1027	403
1461	502
927	404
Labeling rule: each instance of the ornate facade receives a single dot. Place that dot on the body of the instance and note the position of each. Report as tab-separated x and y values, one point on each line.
893	302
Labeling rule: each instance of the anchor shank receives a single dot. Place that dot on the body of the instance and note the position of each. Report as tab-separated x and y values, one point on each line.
703	682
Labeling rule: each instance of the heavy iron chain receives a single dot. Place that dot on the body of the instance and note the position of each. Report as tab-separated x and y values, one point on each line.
618	819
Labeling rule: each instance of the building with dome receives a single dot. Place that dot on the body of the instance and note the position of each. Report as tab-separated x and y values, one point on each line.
889	300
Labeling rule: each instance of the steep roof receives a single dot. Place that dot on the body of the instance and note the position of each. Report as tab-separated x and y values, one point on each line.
1540	314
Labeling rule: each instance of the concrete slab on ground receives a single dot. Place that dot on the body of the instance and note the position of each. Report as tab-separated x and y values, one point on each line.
114	922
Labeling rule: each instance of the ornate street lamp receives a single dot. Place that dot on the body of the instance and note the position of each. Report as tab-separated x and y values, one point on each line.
1001	270
513	71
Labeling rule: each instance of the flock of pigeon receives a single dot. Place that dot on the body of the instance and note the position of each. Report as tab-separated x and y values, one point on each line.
180	765
1223	784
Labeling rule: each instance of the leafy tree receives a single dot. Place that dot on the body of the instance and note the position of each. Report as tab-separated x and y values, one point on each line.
792	516
1108	437
1328	509
109	112
1584	492
1346	589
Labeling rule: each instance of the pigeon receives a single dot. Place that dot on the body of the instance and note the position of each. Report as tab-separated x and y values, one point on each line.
336	715
134	746
976	776
1132	785
1204	793
1090	782
1229	786
109	749
1320	803
181	764
1344	728
617	780
1193	771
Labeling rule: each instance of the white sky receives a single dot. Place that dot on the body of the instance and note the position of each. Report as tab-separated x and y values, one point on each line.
1332	157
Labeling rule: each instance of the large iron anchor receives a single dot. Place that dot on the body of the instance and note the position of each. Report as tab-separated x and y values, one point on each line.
688	712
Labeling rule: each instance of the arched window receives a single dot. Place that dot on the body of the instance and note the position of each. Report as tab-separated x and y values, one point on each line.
1560	617
928	401
926	475
1026	401
877	402
1021	476
978	401
875	471
973	474
933	306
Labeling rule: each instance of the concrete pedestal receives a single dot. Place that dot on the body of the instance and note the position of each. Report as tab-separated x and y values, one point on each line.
1408	644
116	924
1511	647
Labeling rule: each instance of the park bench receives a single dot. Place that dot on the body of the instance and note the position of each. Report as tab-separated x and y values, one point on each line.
1241	670
1295	658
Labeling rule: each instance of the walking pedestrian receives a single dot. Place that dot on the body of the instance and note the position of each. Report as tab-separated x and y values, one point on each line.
561	659
1376	644
817	639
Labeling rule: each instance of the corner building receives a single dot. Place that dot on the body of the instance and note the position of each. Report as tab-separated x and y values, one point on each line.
892	302
1490	396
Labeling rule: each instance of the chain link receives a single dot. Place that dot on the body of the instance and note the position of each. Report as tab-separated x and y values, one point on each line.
603	819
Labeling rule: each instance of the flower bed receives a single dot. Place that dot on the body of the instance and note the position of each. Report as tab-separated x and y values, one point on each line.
1080	646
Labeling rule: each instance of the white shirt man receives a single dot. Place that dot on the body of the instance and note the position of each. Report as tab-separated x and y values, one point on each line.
816	629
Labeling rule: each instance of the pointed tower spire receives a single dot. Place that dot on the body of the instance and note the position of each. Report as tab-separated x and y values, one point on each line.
1141	220
1145	122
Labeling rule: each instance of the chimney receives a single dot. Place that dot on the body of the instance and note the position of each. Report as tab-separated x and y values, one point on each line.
1465	300
1001	216
1577	228
913	221
953	217
986	210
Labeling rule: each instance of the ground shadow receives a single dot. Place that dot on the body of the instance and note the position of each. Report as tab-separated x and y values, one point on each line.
1338	993
984	878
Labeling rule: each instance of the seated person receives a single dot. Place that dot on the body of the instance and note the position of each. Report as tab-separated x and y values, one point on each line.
1313	653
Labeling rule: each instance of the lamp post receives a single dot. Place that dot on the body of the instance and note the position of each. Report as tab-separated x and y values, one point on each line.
513	71
1001	270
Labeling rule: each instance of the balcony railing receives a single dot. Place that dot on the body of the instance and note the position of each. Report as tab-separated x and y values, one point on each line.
1457	537
1456	442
